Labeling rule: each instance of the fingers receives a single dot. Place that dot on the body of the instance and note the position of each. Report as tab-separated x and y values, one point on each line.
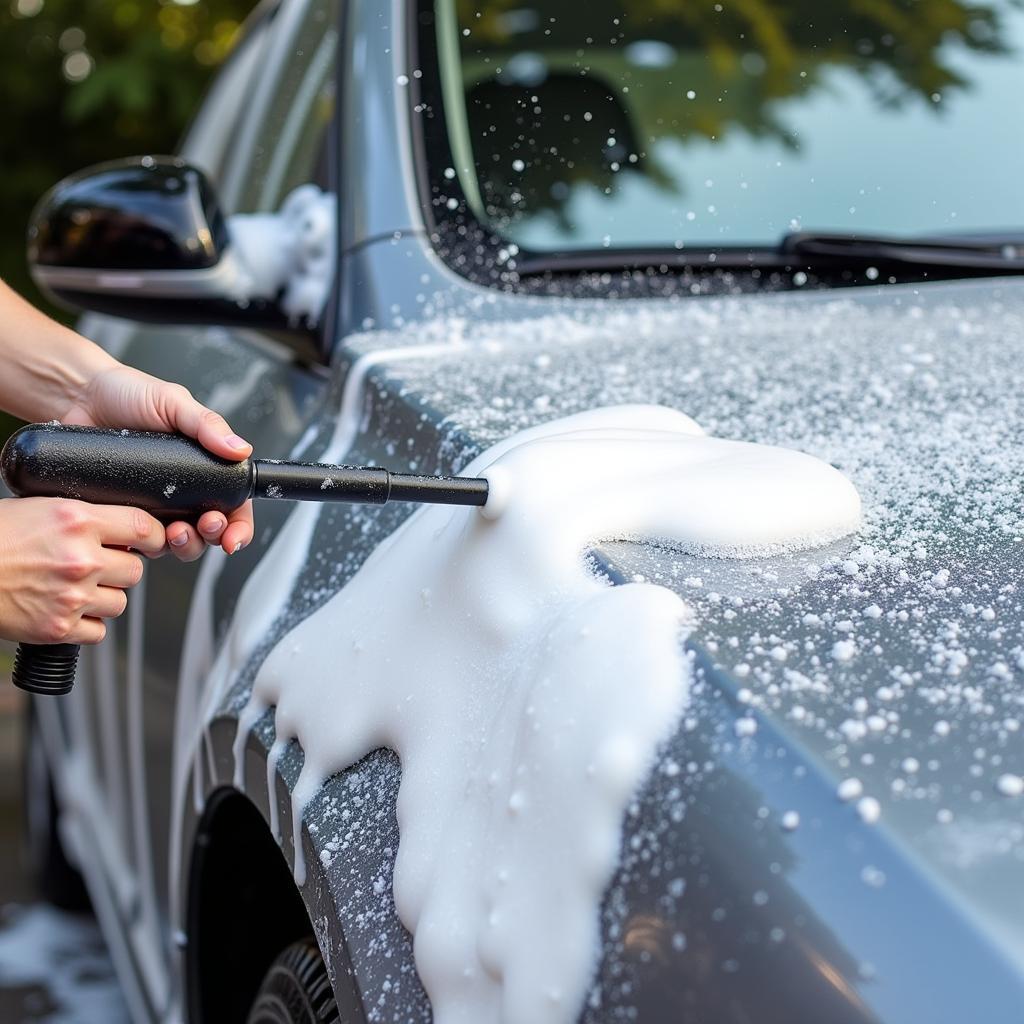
100	597
105	603
120	569
239	531
185	543
211	525
209	428
86	631
129	528
233	533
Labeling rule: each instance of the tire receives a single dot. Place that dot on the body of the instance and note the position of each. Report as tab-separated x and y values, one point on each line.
52	873
296	989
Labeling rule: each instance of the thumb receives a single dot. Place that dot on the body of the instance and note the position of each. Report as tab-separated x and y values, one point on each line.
210	429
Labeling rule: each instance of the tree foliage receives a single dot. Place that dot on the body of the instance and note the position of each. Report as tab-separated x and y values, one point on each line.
88	80
747	59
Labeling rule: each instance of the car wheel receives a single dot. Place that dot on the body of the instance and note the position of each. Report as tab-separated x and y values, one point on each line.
296	989
56	880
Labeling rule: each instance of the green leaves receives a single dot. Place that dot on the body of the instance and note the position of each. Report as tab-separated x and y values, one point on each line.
87	80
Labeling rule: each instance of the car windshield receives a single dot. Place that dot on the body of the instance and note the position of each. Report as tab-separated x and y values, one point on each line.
661	124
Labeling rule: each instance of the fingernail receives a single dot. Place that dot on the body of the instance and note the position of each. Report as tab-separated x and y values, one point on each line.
236	442
179	539
236	548
216	526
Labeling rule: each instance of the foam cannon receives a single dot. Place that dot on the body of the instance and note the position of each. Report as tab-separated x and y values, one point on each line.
173	477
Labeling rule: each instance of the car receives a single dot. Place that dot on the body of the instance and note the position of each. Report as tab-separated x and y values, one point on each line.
400	234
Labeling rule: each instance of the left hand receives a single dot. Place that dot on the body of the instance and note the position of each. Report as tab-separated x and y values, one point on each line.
120	396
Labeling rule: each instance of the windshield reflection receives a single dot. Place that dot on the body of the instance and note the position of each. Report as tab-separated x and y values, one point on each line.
674	124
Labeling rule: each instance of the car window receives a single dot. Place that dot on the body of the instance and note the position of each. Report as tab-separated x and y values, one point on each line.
212	134
612	125
291	147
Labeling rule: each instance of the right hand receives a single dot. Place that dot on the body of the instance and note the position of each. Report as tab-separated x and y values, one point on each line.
64	567
121	396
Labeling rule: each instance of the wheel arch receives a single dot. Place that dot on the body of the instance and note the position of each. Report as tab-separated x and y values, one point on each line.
236	883
243	909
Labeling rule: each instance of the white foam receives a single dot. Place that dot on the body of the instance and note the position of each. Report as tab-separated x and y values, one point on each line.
525	697
208	669
271	582
288	255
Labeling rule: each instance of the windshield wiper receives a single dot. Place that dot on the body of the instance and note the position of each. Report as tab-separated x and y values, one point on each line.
994	254
830	256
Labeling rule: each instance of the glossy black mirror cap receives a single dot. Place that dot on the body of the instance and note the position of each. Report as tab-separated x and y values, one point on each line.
150	213
144	239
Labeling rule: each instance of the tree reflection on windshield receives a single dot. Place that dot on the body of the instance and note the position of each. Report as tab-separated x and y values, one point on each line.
581	115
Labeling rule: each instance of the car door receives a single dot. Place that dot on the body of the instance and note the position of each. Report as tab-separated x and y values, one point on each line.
264	129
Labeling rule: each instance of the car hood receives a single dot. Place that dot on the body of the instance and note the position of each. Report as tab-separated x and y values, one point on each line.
895	658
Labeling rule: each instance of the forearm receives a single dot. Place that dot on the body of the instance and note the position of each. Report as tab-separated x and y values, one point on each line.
46	366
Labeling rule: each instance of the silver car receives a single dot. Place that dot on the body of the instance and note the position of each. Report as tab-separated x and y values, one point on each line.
399	232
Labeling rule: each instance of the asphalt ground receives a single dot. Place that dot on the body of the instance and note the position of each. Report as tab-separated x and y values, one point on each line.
54	966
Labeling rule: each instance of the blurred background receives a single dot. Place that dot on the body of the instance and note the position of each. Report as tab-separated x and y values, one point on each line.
90	80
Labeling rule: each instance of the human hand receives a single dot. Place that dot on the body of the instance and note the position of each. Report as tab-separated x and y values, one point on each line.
119	396
64	567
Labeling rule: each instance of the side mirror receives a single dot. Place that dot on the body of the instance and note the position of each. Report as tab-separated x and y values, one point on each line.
145	239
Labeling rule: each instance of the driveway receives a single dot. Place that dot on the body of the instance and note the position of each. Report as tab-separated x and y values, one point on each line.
53	965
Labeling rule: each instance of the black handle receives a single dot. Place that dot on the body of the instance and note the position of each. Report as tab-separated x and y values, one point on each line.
170	476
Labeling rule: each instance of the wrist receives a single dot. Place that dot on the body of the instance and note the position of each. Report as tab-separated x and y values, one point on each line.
85	362
68	368
48	366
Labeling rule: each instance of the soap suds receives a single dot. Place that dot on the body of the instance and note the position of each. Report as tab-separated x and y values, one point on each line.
525	697
288	255
1010	785
269	586
849	789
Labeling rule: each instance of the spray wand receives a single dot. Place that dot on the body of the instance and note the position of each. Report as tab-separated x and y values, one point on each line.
173	477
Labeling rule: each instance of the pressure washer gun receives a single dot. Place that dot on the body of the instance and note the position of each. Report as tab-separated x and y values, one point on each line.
173	477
